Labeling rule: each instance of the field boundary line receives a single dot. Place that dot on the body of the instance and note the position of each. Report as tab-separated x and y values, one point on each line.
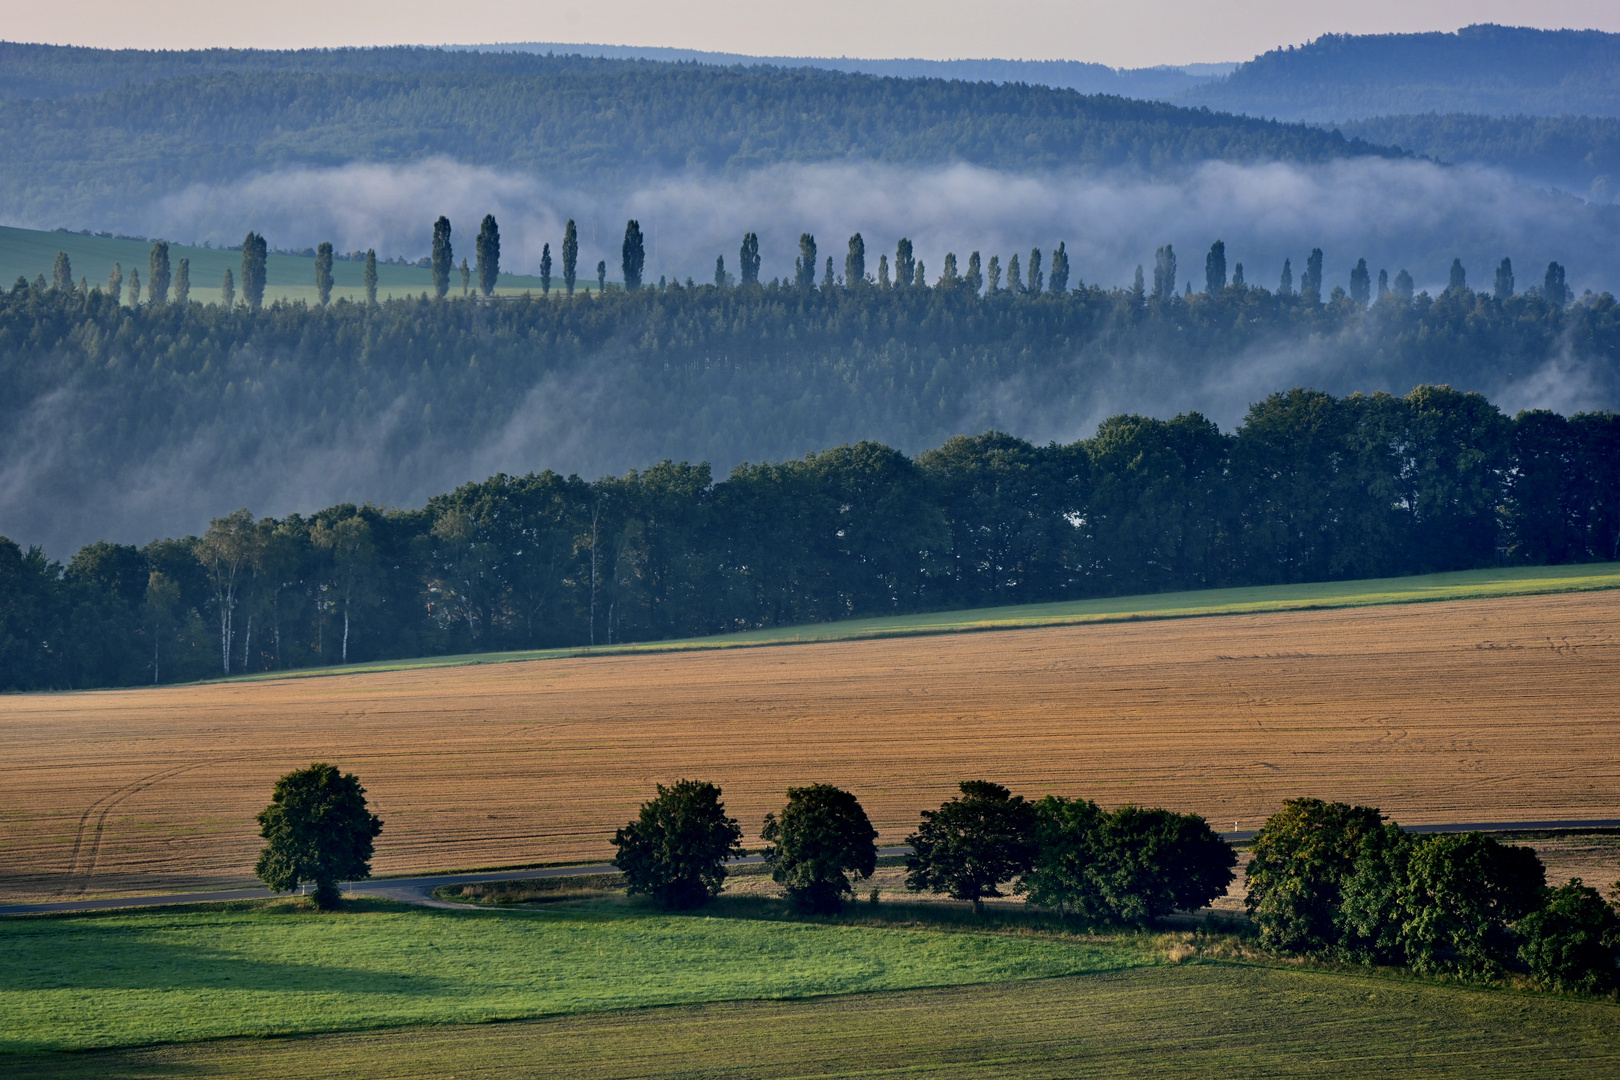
1609	579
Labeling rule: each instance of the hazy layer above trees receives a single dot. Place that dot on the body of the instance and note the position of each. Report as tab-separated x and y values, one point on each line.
1493	70
121	424
587	121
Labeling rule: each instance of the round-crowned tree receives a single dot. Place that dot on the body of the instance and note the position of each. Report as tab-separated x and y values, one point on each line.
821	838
317	830
1151	862
676	849
1303	856
1572	942
972	844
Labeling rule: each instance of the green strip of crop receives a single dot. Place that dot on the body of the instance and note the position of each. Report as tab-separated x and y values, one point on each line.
1424	588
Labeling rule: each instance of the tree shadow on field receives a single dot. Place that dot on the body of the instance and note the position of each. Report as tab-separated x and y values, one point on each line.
108	954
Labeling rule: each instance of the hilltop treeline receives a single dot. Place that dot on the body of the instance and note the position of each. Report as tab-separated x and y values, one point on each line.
582	120
1310	487
1499	70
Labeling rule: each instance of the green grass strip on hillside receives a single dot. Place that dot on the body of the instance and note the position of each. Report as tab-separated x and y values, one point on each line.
183	974
1460	585
1190	1022
31	252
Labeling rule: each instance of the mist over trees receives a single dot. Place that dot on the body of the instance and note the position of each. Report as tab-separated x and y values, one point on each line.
119	422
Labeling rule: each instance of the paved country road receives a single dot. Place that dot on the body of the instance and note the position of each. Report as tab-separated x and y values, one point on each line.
419	890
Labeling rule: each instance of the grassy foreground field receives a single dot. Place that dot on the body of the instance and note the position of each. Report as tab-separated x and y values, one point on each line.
1193	1021
264	969
1474	710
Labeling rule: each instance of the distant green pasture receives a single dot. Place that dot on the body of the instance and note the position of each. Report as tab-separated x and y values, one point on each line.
29	253
1462	585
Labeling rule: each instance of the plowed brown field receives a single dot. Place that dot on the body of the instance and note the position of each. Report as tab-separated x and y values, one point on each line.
1503	709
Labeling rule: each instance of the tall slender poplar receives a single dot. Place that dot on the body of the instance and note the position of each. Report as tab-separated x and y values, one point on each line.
488	250
444	257
570	254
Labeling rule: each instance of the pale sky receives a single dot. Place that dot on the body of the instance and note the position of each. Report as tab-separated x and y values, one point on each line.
1137	35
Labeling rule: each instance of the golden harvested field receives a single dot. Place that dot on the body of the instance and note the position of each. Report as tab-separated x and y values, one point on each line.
1502	709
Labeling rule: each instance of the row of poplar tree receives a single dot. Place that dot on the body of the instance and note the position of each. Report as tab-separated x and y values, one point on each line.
908	271
1310	487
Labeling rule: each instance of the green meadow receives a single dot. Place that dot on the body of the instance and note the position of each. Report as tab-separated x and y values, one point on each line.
1421	588
1194	1020
208	972
29	253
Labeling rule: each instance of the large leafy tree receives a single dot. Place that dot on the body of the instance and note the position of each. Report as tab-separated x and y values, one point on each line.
317	830
226	552
1303	856
1133	865
1572	942
1459	899
1066	846
821	838
676	850
1151	862
972	844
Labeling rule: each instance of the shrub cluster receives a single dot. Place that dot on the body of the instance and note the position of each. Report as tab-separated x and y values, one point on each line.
1335	880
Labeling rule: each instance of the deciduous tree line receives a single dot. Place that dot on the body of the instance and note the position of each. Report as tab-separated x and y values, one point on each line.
1309	488
1329	879
1326	879
1131	865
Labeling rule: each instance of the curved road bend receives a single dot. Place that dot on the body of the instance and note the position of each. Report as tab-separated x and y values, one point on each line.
419	890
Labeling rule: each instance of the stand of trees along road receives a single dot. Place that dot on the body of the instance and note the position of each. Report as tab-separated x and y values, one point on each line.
1326	879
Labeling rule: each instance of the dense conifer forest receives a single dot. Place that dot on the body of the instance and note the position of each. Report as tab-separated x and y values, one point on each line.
1311	486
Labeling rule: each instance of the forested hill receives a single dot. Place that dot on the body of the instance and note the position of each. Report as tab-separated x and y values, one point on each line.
1580	154
1310	487
1484	69
612	123
117	423
57	71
